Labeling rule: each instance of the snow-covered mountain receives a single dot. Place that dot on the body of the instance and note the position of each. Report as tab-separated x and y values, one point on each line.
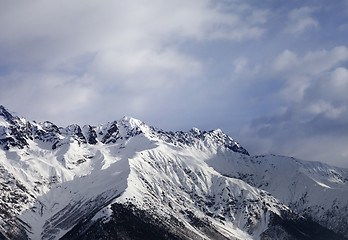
127	180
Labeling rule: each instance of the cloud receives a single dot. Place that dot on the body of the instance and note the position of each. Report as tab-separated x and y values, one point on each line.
312	62
64	56
300	20
46	95
240	64
339	79
299	72
325	108
52	34
150	69
313	122
175	64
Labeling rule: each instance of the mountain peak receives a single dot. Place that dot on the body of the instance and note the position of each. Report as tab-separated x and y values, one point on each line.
218	131
195	131
8	117
132	122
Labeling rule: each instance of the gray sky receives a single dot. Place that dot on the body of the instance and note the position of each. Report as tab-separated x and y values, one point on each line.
272	74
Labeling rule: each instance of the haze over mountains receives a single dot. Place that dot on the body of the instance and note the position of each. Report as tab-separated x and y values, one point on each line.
127	180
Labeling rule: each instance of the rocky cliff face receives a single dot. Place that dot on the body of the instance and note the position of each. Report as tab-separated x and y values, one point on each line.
127	180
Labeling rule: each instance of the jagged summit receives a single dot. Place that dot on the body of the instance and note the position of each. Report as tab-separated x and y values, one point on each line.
6	115
132	122
2	109
107	133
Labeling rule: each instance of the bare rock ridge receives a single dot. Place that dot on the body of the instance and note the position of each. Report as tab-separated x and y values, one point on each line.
127	180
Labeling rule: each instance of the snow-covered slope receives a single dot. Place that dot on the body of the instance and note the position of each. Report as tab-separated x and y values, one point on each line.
313	189
95	182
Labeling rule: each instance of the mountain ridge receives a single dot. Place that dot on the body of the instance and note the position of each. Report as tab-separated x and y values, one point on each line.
89	133
71	180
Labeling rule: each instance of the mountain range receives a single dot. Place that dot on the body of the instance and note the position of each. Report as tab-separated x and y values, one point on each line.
127	180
